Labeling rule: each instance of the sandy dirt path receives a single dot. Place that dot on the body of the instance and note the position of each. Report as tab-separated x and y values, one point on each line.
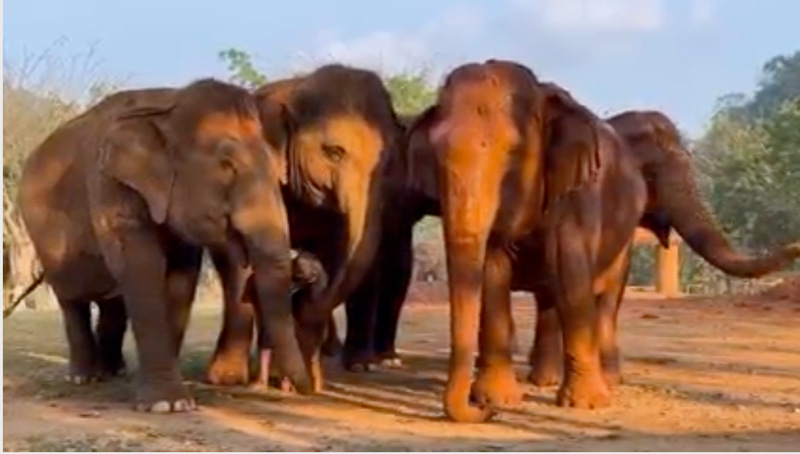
700	374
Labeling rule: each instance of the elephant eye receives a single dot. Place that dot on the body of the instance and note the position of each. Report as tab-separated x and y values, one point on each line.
334	152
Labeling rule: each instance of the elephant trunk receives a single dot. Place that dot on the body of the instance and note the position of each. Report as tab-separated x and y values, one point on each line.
361	203
364	228
263	225
679	196
469	204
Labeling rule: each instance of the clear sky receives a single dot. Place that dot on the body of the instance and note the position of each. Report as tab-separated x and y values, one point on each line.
674	55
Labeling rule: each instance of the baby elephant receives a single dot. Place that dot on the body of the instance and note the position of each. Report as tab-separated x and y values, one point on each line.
309	281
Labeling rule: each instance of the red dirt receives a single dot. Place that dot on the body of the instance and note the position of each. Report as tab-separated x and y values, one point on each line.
788	289
701	374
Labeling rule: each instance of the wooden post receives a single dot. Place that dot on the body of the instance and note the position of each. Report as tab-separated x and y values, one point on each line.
668	269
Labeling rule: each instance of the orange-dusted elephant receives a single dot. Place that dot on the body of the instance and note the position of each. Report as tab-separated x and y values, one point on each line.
520	169
538	194
673	202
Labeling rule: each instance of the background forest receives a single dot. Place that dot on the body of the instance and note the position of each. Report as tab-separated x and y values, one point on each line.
747	159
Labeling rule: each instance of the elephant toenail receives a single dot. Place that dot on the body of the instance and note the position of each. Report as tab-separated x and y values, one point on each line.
162	406
181	405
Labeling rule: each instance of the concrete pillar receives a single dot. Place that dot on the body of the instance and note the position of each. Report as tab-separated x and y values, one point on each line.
668	269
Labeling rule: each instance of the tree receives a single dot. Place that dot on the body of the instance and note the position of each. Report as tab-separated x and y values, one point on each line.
411	93
40	92
749	163
240	64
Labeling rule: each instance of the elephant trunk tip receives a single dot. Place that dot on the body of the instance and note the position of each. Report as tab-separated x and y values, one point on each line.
459	408
791	252
758	267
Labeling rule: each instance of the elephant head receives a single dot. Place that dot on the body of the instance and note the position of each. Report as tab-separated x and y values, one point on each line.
197	159
332	131
674	200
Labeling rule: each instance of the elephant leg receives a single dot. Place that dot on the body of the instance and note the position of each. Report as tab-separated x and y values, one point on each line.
395	280
83	355
111	326
230	364
183	272
583	385
545	354
496	382
608	304
332	345
139	263
361	307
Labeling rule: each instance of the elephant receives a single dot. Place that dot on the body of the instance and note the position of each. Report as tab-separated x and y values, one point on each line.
520	169
673	202
120	203
332	132
373	309
539	194
309	282
653	141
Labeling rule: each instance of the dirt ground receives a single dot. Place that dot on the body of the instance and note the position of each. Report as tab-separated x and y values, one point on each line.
700	374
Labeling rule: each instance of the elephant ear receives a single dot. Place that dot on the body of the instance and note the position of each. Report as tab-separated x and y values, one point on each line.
135	151
658	223
278	126
420	157
571	145
274	106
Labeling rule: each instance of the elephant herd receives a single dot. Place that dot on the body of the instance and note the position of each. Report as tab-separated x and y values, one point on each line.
535	192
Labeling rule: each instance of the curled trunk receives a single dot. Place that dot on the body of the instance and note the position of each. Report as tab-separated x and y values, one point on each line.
679	196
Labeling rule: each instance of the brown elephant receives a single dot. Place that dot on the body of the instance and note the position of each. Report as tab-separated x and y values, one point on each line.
520	167
119	203
309	282
373	309
537	194
673	202
656	146
333	131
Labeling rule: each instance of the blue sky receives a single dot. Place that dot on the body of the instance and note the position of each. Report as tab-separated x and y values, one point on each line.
675	55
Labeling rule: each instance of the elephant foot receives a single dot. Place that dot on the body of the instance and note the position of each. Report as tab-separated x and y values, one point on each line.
390	362
611	369
273	382
460	407
497	386
612	378
285	385
166	406
584	392
359	367
544	376
229	369
174	398
81	379
389	359
358	362
83	373
114	367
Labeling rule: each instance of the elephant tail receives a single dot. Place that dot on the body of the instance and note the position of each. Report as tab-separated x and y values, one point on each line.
38	280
